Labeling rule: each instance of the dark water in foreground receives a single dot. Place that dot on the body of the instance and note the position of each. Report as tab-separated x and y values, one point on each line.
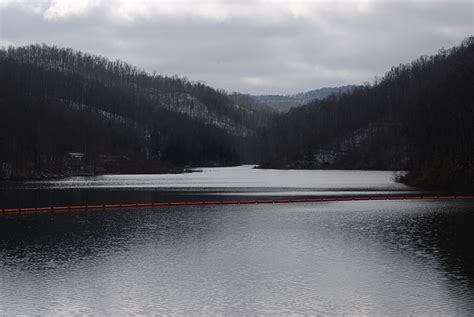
356	258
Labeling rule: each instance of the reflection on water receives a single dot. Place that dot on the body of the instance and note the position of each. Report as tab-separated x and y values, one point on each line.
377	258
355	258
234	177
209	184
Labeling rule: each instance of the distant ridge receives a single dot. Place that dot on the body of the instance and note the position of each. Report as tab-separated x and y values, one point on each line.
283	103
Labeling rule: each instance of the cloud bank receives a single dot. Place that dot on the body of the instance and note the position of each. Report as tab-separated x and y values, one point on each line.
248	46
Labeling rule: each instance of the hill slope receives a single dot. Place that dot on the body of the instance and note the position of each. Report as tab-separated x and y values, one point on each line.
69	112
418	117
194	99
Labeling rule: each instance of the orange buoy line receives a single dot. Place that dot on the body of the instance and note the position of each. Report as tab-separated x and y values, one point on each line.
225	202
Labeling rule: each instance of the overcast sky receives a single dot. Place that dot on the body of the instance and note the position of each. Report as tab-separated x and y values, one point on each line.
247	46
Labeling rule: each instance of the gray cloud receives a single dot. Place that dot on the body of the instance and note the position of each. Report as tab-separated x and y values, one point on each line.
248	46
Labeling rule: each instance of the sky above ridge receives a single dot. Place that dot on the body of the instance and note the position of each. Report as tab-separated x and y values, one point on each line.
257	47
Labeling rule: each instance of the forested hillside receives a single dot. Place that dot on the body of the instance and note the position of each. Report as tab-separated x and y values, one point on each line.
68	112
418	117
65	112
169	92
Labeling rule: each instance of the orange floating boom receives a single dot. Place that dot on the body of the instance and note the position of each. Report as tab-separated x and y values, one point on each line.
217	203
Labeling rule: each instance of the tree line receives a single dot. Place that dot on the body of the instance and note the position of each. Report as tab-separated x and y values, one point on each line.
48	113
418	116
56	102
157	89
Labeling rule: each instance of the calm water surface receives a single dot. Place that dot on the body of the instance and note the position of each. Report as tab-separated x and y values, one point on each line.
355	258
209	184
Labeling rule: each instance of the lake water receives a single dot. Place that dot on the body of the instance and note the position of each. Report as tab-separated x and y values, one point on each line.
354	258
242	182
